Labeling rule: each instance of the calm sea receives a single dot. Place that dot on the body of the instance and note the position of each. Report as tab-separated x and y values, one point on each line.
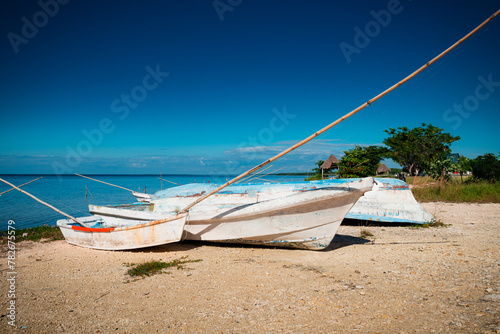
68	194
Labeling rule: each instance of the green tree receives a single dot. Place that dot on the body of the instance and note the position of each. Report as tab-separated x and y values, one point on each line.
439	169
486	167
414	149
462	165
361	161
317	170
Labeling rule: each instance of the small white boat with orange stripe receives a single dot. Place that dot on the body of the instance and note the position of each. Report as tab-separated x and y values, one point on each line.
109	233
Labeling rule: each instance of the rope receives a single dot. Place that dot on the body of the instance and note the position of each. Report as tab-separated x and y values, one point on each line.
170	181
109	184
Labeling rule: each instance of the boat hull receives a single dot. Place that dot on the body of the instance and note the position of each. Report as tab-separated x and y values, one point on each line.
124	237
390	201
309	226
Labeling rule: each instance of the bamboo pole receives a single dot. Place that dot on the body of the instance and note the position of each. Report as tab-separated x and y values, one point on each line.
346	116
20	186
169	181
46	204
109	184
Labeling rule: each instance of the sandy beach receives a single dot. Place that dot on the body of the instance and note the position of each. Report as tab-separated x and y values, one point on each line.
400	280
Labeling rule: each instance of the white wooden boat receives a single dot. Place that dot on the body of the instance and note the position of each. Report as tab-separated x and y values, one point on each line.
142	197
295	214
110	233
390	201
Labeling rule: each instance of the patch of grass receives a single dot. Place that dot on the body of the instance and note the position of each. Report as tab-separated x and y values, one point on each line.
156	267
457	192
365	234
435	223
419	180
45	233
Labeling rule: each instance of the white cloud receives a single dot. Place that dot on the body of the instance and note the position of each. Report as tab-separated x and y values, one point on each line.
228	162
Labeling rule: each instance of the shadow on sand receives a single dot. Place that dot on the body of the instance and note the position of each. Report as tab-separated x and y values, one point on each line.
341	240
168	248
338	241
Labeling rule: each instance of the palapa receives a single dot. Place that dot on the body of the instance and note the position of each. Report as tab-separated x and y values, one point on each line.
383	169
331	163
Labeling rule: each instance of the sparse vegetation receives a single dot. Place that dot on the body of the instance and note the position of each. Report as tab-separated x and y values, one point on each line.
317	172
435	223
156	267
365	234
470	191
44	233
486	167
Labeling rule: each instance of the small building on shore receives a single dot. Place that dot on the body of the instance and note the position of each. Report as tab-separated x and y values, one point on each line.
331	163
383	170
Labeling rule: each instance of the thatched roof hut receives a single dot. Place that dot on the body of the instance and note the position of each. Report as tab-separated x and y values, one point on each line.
383	169
331	163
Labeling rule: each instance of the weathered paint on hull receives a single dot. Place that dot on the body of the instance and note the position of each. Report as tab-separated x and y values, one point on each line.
390	201
138	235
311	226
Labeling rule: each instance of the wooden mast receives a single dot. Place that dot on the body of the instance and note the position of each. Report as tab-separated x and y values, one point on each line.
346	116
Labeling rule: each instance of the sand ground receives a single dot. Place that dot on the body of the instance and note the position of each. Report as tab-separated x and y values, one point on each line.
401	280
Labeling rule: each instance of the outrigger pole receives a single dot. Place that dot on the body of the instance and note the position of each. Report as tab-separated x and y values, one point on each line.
346	116
19	186
46	204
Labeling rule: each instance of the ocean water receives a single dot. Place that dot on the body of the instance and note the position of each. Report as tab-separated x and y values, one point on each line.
67	193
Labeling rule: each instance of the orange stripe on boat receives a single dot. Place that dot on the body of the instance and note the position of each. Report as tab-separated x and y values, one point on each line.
90	229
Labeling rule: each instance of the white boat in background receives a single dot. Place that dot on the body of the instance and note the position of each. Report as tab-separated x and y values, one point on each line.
303	215
390	201
110	233
142	197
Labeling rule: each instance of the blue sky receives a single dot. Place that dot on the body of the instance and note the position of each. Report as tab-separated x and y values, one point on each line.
219	86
